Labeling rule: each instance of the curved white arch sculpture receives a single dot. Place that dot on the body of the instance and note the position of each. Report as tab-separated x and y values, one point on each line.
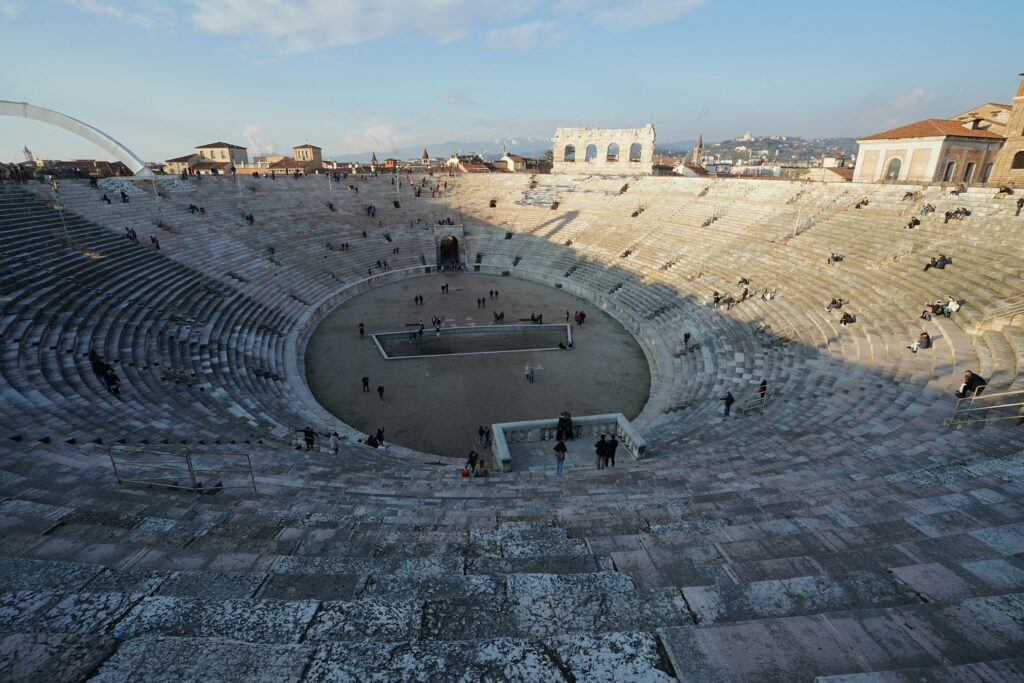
90	133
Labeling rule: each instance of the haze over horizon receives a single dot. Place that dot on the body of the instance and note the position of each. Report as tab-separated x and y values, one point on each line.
355	77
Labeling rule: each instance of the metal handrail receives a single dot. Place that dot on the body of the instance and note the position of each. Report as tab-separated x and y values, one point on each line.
1006	307
1011	399
179	459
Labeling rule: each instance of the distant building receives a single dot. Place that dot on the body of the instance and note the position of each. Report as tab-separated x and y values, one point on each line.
981	145
224	152
928	151
216	157
514	162
467	163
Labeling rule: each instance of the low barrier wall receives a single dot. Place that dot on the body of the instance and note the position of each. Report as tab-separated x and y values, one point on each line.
505	433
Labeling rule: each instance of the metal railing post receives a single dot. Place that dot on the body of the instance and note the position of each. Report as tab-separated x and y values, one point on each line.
191	470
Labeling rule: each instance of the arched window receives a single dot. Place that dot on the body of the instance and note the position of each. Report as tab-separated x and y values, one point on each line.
613	152
987	173
591	152
634	151
968	172
947	175
1018	162
892	171
569	153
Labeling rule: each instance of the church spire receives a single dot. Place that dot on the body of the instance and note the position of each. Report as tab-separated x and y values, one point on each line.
698	151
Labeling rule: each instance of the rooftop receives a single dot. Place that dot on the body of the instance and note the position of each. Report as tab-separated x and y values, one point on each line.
931	128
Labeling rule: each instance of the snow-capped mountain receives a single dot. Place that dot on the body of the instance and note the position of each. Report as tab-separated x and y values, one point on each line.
523	145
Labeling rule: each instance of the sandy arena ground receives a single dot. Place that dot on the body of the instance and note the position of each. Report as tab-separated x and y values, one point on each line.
436	404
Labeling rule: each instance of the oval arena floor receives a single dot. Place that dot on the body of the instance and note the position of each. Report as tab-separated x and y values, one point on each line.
844	534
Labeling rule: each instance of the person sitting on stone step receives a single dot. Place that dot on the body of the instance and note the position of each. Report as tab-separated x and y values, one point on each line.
973	385
924	341
846	319
951	306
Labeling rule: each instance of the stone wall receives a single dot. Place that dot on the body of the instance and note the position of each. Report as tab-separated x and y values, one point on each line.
604	151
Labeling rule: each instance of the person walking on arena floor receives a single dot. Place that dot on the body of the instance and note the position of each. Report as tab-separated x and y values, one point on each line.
366	384
362	330
380	391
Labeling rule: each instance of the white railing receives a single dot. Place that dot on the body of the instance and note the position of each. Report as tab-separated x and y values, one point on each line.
758	403
180	467
546	430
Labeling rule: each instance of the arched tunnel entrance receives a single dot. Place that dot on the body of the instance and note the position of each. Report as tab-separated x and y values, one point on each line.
448	251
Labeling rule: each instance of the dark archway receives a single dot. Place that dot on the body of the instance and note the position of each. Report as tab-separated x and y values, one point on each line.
448	251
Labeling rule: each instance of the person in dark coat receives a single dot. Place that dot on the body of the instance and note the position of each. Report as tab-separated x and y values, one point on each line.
309	436
613	445
729	400
601	450
972	386
112	381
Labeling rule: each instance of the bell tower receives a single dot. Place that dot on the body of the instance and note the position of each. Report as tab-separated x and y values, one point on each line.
1009	164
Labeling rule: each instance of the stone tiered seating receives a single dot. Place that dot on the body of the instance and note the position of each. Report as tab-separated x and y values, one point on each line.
843	535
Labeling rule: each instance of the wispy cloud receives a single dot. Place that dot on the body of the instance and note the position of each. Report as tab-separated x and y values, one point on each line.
625	16
890	111
524	36
254	141
10	9
306	25
379	136
143	13
297	26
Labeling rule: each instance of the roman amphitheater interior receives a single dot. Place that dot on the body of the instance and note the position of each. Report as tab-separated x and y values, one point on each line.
857	524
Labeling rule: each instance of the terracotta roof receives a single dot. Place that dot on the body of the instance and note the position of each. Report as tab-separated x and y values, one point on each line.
931	128
187	157
218	145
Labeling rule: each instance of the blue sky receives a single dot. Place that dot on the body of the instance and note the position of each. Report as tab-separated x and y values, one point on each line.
352	76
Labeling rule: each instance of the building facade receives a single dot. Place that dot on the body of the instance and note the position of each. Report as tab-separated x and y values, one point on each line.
928	151
982	145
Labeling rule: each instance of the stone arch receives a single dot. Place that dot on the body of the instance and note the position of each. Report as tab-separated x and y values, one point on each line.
892	169
90	133
569	154
612	155
448	251
591	153
636	151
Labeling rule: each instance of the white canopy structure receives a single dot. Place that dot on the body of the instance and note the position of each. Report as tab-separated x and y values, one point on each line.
90	133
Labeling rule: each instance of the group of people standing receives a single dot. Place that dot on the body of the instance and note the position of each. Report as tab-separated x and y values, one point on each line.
604	448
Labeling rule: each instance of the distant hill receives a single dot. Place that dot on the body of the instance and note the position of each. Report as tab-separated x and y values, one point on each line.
782	148
489	149
674	147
